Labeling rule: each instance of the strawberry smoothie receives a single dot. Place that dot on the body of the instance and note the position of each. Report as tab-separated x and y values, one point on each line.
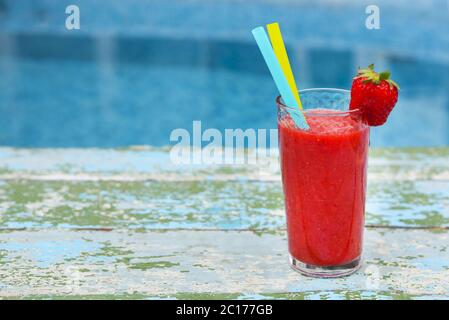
324	181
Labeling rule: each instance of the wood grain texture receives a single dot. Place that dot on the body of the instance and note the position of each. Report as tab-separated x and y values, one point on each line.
130	224
407	263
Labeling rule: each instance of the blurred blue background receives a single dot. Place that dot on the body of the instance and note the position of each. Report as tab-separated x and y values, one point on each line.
136	70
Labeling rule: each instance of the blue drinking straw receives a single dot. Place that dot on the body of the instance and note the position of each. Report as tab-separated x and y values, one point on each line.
278	76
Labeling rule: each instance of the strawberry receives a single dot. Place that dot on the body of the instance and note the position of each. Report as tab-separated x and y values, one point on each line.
375	94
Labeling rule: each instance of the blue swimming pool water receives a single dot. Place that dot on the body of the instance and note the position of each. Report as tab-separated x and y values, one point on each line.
107	90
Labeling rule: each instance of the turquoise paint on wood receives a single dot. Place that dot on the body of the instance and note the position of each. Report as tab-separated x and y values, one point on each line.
97	223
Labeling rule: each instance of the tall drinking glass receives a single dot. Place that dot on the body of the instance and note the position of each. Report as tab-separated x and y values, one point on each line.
324	183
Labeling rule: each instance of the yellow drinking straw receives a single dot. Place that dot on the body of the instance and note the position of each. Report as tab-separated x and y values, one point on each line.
281	54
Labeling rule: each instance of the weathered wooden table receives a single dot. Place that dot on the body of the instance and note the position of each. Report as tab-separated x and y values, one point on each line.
127	223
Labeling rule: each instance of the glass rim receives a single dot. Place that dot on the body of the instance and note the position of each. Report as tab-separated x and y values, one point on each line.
332	112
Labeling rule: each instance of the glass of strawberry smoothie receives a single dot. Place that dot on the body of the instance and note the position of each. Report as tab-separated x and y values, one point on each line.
324	182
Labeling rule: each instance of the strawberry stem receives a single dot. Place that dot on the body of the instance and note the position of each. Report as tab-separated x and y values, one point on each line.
369	75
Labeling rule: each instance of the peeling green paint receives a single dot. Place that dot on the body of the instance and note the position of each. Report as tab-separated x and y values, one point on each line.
177	232
402	263
152	264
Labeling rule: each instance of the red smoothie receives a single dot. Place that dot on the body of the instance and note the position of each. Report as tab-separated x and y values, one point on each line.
324	180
